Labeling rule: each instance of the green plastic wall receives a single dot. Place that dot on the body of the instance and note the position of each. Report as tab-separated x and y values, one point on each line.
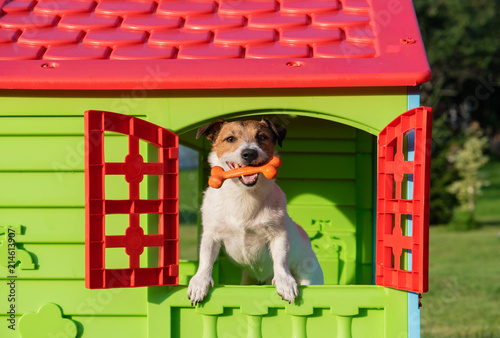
42	197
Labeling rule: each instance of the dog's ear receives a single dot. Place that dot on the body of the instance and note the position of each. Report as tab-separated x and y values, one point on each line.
210	130
278	131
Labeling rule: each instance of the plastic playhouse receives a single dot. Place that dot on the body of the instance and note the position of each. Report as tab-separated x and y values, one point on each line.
96	96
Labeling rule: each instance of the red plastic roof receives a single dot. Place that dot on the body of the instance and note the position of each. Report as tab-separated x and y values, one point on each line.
181	44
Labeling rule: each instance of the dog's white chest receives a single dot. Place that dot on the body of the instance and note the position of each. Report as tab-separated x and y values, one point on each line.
245	223
249	248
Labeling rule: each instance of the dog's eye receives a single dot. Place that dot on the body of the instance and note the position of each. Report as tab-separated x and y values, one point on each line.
230	139
261	137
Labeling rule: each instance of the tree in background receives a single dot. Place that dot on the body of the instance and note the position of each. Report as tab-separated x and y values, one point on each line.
468	160
462	41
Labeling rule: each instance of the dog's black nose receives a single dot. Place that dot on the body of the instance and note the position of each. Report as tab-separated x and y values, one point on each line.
249	155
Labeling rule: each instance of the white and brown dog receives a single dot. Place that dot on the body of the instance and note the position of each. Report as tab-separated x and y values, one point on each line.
248	216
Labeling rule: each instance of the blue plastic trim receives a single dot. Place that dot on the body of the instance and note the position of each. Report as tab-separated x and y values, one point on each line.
413	298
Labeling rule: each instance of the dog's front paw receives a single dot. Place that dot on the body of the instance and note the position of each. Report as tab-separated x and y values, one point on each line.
198	288
286	286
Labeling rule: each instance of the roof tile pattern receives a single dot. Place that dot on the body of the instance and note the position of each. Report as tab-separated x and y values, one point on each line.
19	6
64	8
185	29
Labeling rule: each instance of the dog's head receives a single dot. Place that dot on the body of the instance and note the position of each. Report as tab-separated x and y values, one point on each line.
242	143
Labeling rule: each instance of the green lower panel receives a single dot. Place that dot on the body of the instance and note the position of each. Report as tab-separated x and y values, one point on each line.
59	189
52	261
319	145
187	270
5	332
42	189
60	225
365	240
226	272
46	225
46	125
322	193
305	128
331	269
107	327
61	153
182	327
74	298
323	218
91	327
320	166
320	311
364	274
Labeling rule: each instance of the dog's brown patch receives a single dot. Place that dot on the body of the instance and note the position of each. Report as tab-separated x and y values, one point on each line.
233	134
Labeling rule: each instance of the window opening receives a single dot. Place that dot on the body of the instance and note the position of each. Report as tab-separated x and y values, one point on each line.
189	203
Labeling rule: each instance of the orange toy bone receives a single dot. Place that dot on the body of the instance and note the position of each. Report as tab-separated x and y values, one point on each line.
270	171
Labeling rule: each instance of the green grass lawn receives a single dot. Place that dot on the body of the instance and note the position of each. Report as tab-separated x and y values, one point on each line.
464	296
488	205
188	242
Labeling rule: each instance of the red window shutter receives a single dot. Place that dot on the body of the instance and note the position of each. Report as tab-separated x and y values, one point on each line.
134	169
404	150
